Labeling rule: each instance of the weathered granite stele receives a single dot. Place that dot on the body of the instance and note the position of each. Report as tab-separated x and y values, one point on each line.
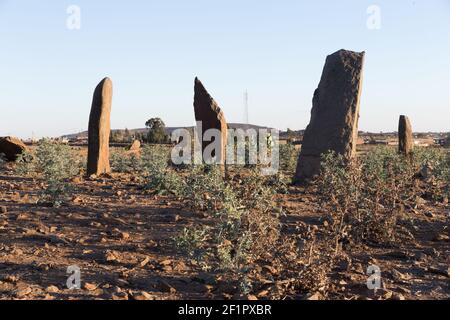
11	148
99	129
335	113
405	136
207	112
135	146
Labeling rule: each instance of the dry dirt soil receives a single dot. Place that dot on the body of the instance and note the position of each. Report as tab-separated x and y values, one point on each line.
120	238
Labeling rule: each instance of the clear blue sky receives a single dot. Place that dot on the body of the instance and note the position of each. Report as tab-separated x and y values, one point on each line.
276	50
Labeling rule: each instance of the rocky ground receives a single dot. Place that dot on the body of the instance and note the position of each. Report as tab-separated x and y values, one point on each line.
120	238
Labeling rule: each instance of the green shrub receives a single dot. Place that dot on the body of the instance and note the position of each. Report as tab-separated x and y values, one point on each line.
55	163
26	165
366	195
288	158
436	163
191	241
205	187
157	173
125	163
246	221
280	182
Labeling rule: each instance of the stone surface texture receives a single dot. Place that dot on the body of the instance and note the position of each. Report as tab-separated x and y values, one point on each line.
99	129
335	113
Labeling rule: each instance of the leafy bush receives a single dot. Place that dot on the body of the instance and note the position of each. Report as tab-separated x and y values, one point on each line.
25	164
205	187
433	165
191	241
125	163
246	219
366	195
158	174
288	158
280	182
55	163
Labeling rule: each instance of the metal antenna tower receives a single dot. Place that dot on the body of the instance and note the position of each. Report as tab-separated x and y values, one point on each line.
246	120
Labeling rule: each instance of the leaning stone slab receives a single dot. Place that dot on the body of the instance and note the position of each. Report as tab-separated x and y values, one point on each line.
99	129
335	113
208	112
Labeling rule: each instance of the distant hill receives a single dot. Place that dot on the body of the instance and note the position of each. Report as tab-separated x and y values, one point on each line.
169	130
283	134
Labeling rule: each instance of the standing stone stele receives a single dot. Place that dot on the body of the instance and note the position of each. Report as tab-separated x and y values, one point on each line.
335	113
405	136
135	146
208	112
100	129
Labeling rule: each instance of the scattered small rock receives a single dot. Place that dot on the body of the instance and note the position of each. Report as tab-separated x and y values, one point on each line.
77	200
17	252
111	256
52	289
144	262
263	294
180	267
90	286
22	291
385	294
314	297
420	201
77	180
166	262
21	217
398	276
124	235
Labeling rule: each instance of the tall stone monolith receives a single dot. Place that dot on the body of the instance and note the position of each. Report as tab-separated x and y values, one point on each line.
209	114
100	129
405	136
335	113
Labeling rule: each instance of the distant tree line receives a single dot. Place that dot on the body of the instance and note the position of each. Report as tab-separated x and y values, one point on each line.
156	133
